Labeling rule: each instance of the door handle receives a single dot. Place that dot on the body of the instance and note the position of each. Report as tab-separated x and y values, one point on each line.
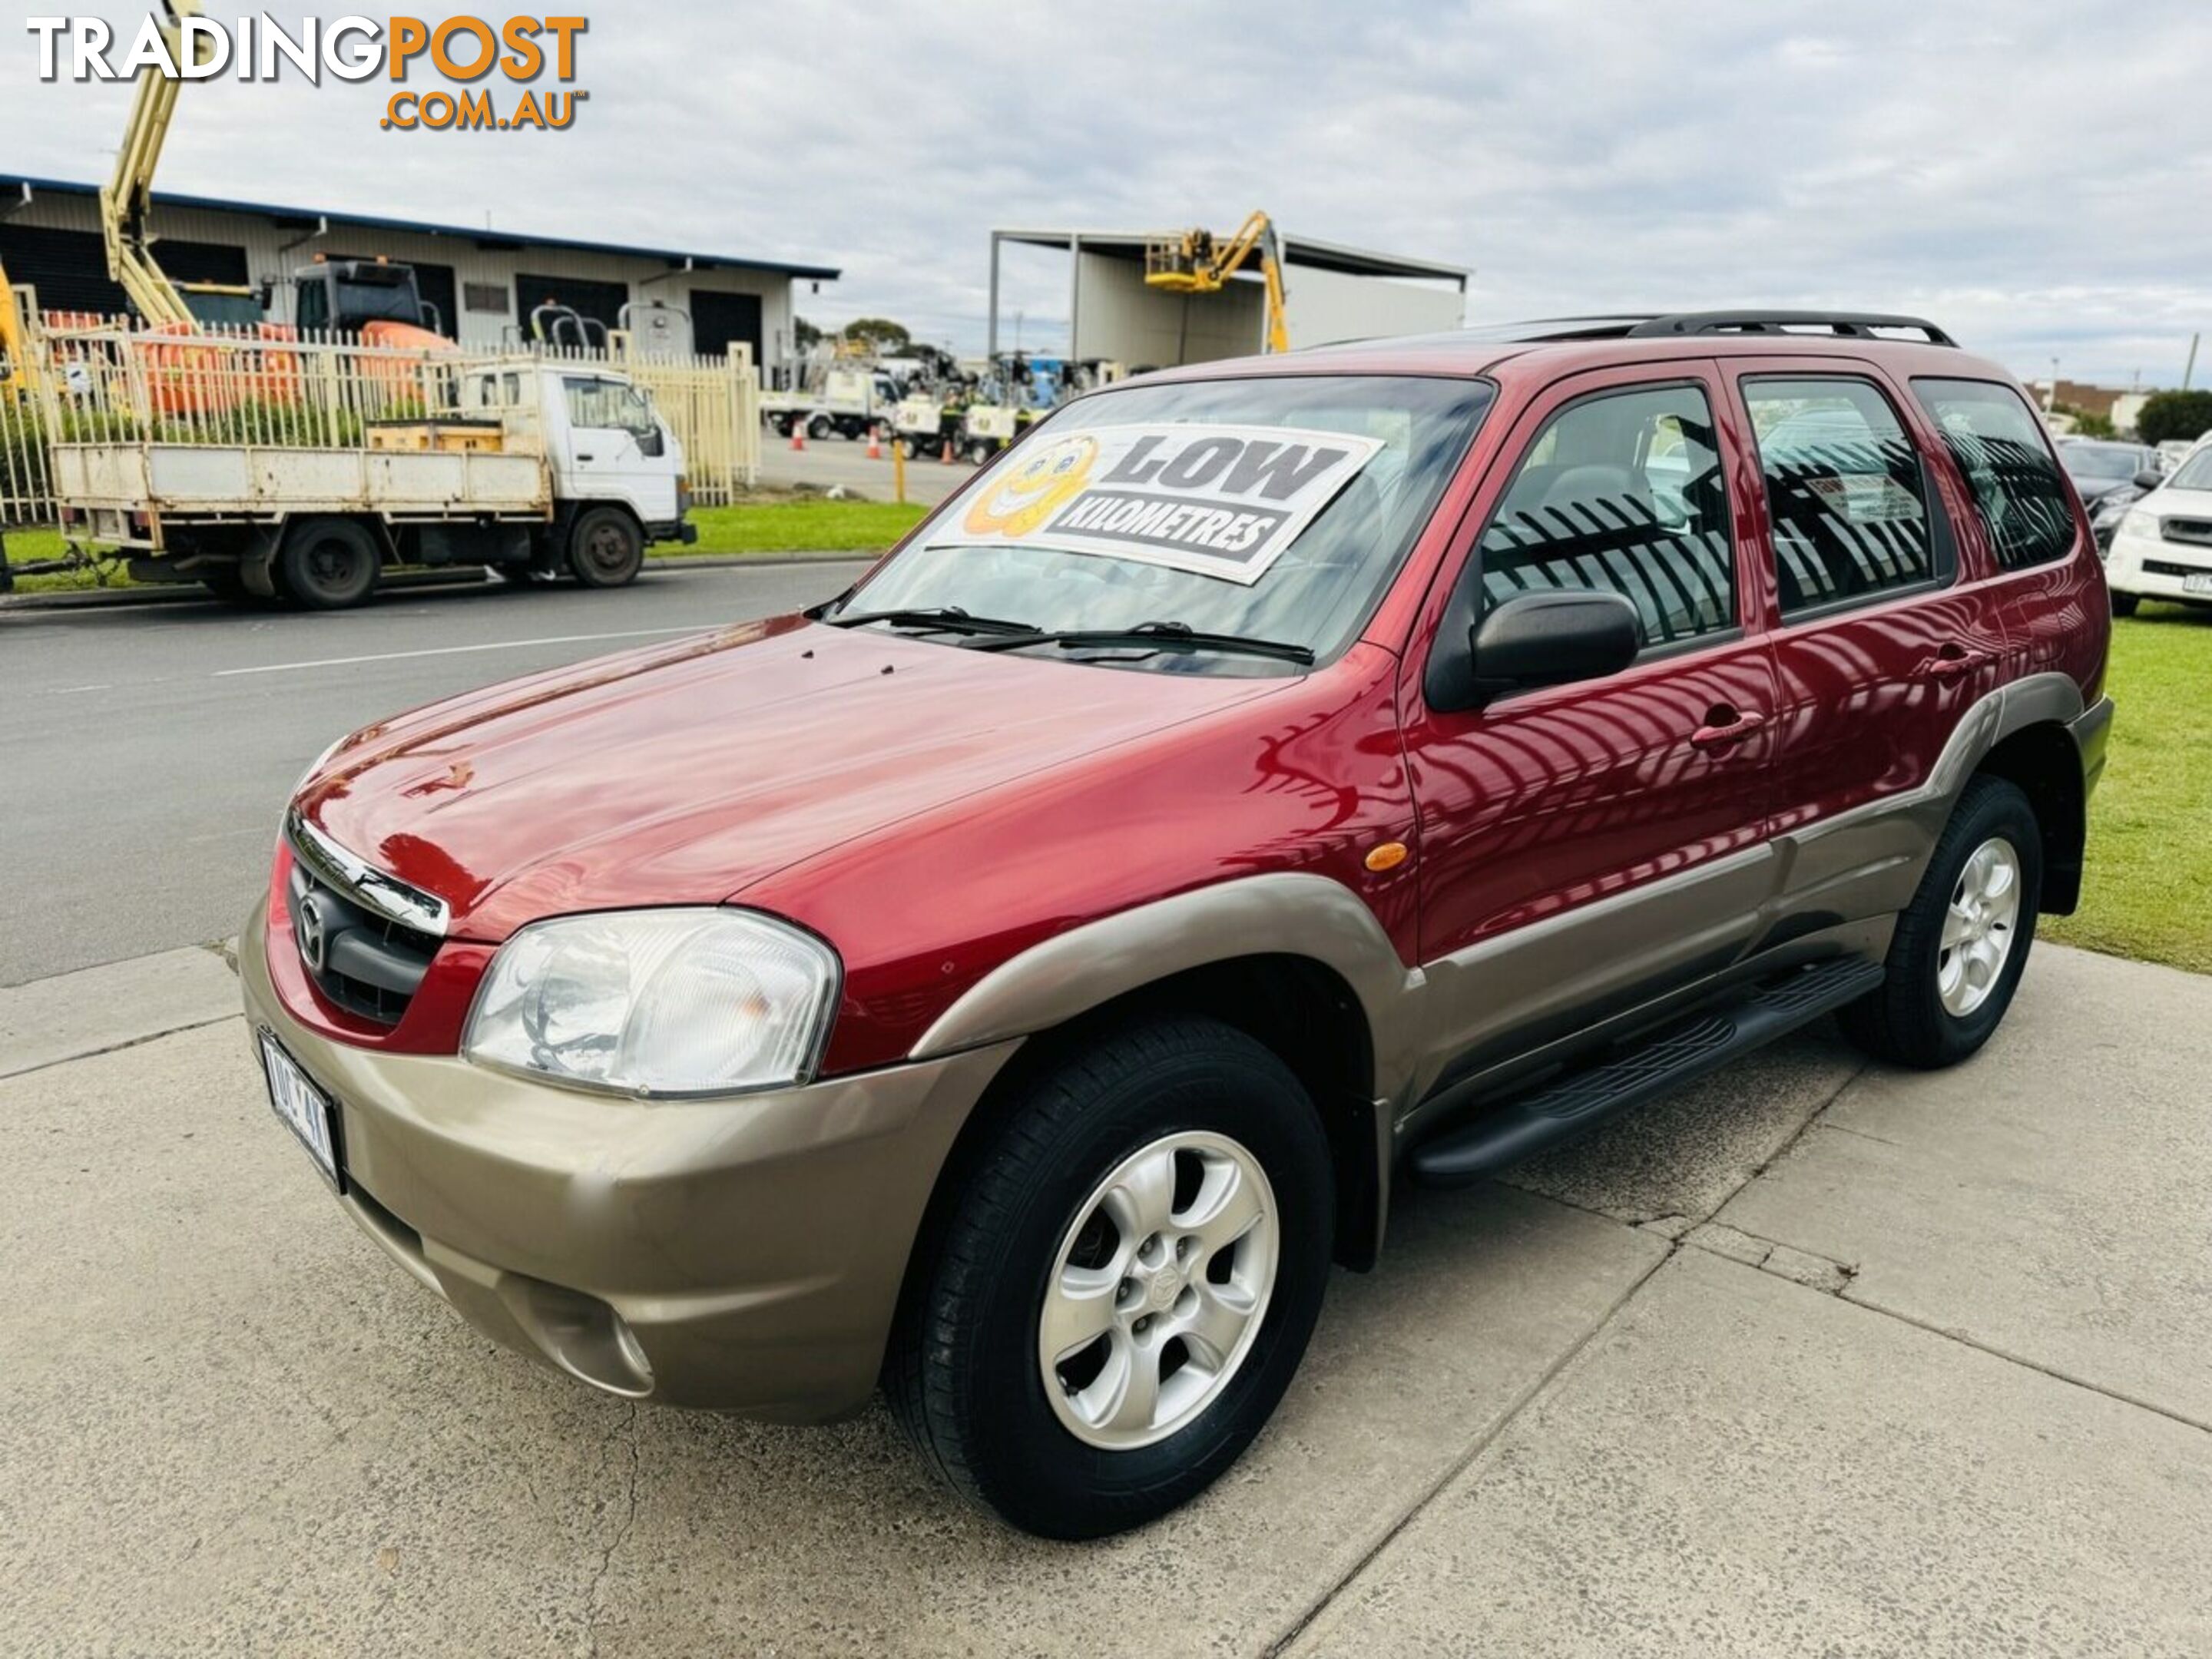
1954	662
1725	728
583	457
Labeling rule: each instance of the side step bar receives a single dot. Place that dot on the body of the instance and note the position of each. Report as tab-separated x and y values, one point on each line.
1568	1106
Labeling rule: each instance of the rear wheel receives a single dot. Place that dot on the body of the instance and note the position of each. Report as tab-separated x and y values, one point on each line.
329	564
607	549
819	428
2124	605
1127	1281
1962	944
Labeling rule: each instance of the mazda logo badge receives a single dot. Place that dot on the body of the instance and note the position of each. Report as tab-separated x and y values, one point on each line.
312	933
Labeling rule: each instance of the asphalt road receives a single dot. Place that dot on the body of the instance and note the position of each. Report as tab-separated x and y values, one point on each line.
145	751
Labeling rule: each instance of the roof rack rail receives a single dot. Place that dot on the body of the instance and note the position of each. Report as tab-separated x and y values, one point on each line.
1846	324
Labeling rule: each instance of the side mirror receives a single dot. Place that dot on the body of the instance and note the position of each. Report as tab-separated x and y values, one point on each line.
1554	639
2149	479
651	443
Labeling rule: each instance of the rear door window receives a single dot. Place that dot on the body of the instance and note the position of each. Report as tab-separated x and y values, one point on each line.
2019	492
1844	490
1622	493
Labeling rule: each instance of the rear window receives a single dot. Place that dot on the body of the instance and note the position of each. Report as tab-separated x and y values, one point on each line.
2020	494
1843	488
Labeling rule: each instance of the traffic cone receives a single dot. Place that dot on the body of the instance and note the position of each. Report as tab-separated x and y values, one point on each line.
875	443
945	459
798	434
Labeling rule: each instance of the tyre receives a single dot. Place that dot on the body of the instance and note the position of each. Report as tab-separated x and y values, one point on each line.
329	564
2124	605
1962	944
980	453
912	449
607	549
819	428
1124	1283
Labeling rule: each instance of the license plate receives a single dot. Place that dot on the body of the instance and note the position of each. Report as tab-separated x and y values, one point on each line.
304	1109
2199	583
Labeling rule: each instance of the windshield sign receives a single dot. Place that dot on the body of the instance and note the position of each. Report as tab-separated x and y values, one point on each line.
1214	500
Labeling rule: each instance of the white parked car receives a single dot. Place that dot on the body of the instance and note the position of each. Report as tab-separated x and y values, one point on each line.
2163	547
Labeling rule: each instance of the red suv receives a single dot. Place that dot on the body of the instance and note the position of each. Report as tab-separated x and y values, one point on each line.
1013	983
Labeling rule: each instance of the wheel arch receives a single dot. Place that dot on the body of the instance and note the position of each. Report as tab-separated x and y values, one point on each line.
2042	761
1299	963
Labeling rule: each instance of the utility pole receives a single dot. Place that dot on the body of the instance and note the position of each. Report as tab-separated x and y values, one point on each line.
2190	373
2051	397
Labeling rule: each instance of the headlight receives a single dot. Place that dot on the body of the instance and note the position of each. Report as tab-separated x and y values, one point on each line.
657	1003
2138	522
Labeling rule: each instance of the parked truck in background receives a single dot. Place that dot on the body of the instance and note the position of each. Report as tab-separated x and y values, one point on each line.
303	469
844	401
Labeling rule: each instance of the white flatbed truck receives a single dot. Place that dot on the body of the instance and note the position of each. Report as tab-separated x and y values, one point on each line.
282	470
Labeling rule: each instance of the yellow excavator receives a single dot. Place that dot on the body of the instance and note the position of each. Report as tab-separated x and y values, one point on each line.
15	364
1198	262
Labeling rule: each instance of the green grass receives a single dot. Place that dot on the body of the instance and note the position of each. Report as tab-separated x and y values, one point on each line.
804	526
2148	893
807	525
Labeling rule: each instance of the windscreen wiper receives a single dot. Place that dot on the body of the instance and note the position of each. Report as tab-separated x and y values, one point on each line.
949	619
1174	634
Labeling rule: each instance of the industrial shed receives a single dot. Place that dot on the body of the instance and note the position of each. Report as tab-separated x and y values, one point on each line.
484	283
1333	293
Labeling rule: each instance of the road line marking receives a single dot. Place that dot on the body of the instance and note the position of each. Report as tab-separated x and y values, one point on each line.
459	650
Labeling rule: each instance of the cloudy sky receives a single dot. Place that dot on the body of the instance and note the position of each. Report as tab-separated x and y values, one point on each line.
2036	176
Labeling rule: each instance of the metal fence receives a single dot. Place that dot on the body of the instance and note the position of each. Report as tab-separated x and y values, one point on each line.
282	388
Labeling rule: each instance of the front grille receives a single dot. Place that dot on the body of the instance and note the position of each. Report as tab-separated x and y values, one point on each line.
2198	532
366	961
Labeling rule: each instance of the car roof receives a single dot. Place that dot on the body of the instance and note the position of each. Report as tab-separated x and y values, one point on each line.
1476	353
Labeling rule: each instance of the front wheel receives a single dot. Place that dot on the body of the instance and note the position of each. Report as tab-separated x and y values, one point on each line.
607	549
2124	605
1120	1294
1962	944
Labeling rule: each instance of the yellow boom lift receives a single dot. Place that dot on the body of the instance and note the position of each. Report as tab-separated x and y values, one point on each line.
1198	262
126	204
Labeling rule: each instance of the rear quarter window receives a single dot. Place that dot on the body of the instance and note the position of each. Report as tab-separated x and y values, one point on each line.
2020	493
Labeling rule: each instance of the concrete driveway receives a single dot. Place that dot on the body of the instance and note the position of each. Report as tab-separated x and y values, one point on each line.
1815	1359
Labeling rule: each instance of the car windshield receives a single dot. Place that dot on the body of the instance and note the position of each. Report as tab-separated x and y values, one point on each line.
2101	461
1274	509
2194	473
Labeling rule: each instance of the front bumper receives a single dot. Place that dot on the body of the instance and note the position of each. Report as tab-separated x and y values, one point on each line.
2152	568
743	1253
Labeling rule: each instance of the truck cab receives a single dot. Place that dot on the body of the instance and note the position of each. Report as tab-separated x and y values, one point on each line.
370	298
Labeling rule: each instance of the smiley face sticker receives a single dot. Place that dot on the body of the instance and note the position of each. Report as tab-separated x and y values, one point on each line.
1036	489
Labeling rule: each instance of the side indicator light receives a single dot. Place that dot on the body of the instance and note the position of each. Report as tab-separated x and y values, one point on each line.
1389	856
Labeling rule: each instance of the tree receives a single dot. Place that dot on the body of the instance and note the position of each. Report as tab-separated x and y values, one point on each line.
804	335
2184	414
887	337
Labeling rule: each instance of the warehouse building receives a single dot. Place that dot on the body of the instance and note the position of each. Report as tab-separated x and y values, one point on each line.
484	283
1331	293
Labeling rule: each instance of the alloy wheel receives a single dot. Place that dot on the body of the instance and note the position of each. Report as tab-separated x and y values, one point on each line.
1159	1291
1979	926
